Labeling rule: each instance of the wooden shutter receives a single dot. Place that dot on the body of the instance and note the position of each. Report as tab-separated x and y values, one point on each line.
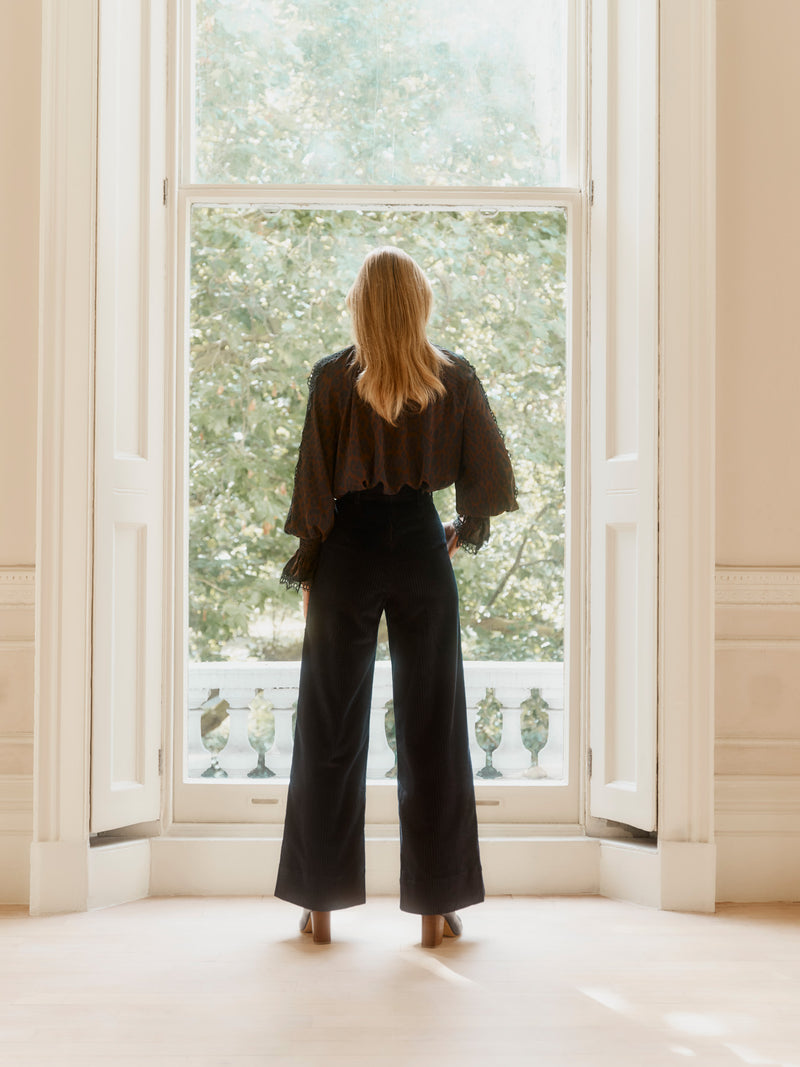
129	413
623	410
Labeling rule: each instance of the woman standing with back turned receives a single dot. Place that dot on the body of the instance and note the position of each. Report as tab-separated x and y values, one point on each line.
389	420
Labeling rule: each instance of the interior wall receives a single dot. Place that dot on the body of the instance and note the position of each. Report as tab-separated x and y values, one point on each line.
758	443
20	71
20	74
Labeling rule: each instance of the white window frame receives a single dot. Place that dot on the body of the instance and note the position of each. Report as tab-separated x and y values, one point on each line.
512	806
70	870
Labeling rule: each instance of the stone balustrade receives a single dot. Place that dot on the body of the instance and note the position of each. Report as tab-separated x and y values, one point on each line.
246	689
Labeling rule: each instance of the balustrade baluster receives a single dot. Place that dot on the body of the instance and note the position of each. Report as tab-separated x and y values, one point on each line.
475	692
238	684
238	756
197	755
551	758
279	757
511	757
380	757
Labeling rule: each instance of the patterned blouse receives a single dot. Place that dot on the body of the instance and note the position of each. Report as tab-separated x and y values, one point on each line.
347	447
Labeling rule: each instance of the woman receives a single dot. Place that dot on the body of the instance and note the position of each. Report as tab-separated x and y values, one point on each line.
389	420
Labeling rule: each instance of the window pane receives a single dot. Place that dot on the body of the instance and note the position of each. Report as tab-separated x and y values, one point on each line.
267	301
420	92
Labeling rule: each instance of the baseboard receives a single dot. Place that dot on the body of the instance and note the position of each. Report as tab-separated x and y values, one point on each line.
16	833
758	838
119	871
186	866
15	882
59	877
758	868
629	871
535	866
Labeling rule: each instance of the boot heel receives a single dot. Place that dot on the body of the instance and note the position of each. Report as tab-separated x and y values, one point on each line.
432	930
321	927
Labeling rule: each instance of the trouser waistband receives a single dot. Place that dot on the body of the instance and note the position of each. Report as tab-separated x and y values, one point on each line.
407	493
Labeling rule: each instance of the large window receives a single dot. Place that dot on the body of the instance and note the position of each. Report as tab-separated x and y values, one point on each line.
312	132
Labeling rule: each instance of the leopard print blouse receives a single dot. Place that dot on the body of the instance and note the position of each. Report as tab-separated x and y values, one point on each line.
347	447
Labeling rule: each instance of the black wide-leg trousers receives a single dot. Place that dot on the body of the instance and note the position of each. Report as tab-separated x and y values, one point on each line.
383	554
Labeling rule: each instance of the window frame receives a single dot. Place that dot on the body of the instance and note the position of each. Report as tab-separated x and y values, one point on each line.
162	857
511	804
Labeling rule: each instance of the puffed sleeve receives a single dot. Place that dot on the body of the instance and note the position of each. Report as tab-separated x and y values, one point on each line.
311	511
485	485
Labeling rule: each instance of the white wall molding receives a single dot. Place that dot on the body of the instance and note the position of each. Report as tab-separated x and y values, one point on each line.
767	795
757	777
17	591
16	827
119	871
758	585
758	837
17	586
687	152
64	455
16	807
17	595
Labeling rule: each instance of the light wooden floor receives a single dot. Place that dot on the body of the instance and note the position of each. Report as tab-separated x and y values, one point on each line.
544	981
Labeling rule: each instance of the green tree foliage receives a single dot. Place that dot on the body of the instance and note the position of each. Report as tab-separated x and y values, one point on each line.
267	301
411	91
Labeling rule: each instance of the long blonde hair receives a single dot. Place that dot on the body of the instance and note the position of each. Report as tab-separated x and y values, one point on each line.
390	304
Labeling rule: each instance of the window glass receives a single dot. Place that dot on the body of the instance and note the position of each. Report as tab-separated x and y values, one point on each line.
419	92
267	301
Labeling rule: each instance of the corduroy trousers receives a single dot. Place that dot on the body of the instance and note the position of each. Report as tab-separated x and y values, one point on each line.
384	554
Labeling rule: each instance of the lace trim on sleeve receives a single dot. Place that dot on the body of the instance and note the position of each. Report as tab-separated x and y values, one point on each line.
299	571
472	531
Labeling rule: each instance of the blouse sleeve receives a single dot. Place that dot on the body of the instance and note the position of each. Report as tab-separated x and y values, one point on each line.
485	484
311	511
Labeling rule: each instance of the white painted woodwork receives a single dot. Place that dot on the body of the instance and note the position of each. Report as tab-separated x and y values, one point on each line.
129	413
623	410
64	472
687	311
62	868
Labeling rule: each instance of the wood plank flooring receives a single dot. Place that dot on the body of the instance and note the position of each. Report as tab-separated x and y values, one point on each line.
210	982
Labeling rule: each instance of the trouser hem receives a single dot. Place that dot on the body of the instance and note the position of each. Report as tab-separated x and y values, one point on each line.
440	895
332	898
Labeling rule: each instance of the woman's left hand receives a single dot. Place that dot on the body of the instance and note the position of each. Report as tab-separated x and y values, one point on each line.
451	537
306	594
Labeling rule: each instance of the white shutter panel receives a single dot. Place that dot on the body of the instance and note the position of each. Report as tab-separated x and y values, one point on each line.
623	410
129	413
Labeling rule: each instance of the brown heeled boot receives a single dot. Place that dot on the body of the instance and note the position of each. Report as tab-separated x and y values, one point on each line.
317	923
435	927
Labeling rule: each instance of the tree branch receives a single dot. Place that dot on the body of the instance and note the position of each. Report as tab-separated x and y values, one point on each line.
517	558
502	583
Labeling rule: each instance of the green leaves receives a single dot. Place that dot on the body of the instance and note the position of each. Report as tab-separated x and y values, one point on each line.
425	92
267	301
428	92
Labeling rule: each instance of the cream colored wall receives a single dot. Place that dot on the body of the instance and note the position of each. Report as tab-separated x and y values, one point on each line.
758	279
20	71
758	448
20	74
